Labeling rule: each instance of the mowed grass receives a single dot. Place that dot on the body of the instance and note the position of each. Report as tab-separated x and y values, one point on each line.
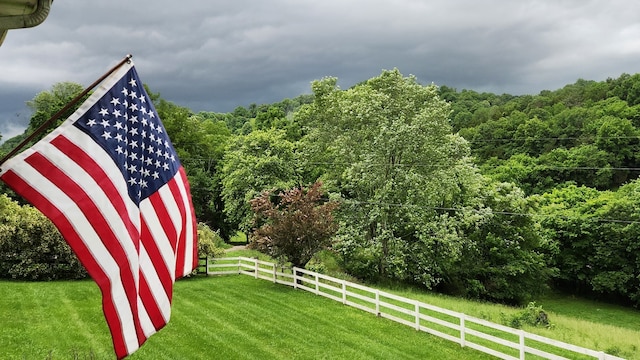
230	317
594	325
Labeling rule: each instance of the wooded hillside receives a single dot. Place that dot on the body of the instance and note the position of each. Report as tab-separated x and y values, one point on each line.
476	194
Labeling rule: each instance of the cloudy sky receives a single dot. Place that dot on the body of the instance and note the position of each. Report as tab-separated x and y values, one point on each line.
216	55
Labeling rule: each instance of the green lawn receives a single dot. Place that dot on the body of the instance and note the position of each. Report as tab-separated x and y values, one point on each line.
232	317
238	317
590	324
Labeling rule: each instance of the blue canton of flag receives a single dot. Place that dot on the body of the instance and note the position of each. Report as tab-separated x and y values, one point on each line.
125	123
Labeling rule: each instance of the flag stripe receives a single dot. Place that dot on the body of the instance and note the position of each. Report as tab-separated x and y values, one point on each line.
159	204
157	302
145	320
157	261
149	300
191	251
156	225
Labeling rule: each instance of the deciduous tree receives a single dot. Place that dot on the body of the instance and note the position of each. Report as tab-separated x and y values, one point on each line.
294	224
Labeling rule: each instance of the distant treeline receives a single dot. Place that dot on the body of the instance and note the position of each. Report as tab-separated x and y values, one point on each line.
482	195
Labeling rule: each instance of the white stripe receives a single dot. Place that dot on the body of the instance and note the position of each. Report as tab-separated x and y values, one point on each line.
163	243
170	203
100	254
190	236
145	321
159	295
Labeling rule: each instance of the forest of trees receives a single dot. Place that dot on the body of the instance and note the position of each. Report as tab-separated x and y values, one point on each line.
496	197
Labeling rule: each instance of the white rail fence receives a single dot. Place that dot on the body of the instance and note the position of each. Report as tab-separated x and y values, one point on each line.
494	339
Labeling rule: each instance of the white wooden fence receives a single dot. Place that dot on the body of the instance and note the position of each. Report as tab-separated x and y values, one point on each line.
494	339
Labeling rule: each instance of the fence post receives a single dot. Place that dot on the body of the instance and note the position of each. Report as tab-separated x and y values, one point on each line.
417	315
602	355
257	267
344	292
522	352
295	278
317	285
206	266
462	341
377	302
275	271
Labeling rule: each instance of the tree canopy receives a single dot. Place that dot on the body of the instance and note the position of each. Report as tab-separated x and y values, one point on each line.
473	193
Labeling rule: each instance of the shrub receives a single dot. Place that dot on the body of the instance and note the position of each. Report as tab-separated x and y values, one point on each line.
532	315
210	243
31	248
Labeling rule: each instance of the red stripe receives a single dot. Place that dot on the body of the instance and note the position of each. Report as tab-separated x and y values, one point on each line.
84	255
160	209
100	225
156	258
194	224
150	304
179	250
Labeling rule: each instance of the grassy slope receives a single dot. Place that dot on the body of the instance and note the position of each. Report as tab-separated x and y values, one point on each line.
604	327
594	325
233	317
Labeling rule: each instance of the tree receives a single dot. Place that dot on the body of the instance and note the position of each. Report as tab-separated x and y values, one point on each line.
253	163
46	103
200	142
596	234
383	143
294	224
505	257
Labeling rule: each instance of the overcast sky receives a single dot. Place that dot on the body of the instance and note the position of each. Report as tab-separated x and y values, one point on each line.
216	55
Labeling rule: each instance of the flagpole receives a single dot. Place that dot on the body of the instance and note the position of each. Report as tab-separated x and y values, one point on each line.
55	116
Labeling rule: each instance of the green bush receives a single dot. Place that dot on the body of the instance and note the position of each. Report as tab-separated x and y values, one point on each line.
31	248
532	315
210	243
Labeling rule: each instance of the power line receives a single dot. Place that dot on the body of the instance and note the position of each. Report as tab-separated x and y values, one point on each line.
552	138
486	210
535	166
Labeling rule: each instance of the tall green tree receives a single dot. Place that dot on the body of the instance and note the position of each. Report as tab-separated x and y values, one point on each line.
384	143
46	103
253	163
200	142
387	149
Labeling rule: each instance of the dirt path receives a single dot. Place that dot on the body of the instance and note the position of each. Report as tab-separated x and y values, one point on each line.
237	247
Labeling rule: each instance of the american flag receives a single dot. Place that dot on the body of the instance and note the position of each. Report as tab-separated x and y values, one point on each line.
111	182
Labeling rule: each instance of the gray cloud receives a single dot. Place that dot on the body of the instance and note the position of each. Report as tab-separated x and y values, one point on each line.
215	55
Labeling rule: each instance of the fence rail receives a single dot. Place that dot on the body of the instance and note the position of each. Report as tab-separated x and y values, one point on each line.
494	339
